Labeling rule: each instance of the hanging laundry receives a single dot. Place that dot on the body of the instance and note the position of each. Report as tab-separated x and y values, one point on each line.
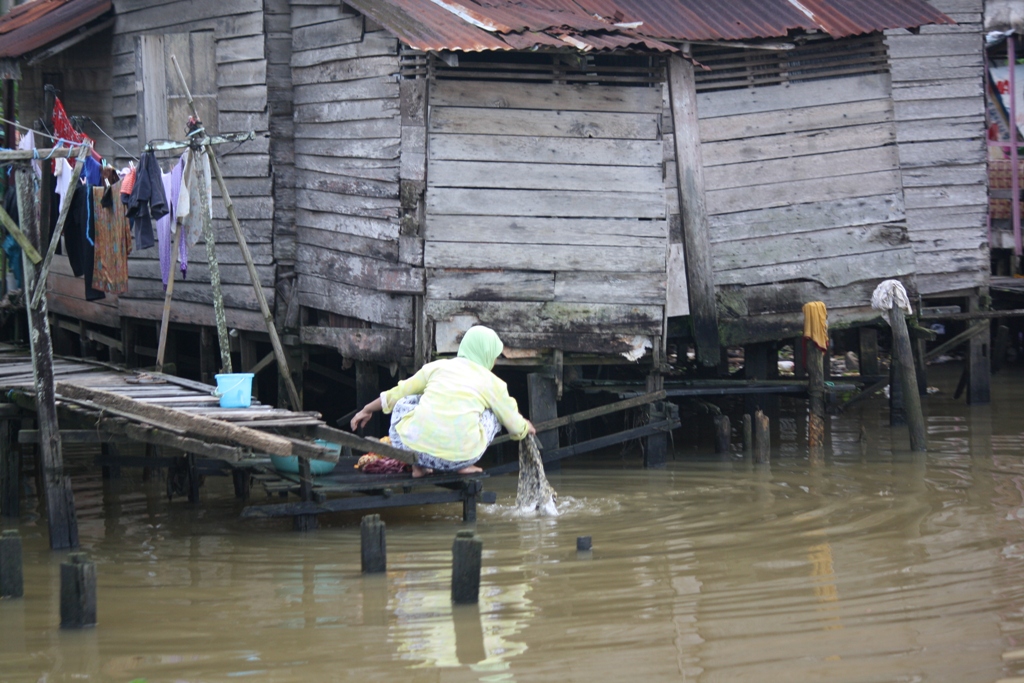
195	201
113	238
147	201
79	239
28	142
64	130
166	226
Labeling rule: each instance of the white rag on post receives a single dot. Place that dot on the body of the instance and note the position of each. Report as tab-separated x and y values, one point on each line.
888	294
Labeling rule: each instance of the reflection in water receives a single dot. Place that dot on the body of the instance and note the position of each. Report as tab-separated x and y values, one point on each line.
876	564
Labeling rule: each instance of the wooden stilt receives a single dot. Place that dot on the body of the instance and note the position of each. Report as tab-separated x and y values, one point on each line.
920	366
111	471
10	471
467	555
868	352
12	581
471	496
762	438
77	592
979	366
305	522
207	356
748	433
193	478
60	510
129	340
543	394
903	359
247	351
242	483
816	402
373	545
723	435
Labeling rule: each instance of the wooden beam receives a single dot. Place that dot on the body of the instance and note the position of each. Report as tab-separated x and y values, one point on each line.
196	425
60	505
690	184
590	413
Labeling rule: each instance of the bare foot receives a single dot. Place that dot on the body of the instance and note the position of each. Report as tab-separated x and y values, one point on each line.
418	471
472	469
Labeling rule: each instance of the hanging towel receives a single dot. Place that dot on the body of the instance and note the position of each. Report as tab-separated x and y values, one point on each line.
816	323
888	294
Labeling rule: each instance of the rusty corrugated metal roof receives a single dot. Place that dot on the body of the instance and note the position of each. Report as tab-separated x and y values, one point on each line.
38	23
476	25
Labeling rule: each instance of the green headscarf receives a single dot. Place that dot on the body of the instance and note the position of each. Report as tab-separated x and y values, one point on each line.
481	345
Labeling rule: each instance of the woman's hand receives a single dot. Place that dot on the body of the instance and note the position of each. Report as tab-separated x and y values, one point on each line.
361	419
530	429
363	416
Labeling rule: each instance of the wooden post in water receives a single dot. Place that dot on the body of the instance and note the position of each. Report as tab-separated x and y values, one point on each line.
373	545
10	471
748	433
467	555
60	502
815	332
979	368
305	522
543	396
888	297
77	592
903	359
12	583
723	435
868	346
762	438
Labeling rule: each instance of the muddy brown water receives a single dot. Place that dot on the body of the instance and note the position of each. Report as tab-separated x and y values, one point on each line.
877	565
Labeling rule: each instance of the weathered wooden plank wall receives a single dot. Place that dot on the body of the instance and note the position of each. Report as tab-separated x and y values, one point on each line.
85	68
347	149
937	87
237	76
545	214
804	200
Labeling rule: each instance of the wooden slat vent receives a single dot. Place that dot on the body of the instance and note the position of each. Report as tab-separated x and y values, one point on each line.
630	70
732	68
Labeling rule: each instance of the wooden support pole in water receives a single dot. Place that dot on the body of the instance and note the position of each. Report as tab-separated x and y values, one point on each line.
77	592
723	434
10	471
979	365
12	582
748	433
762	438
242	482
60	502
467	555
868	357
816	401
903	360
543	397
305	522
373	545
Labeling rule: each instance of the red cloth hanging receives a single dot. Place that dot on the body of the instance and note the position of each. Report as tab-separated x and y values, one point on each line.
63	129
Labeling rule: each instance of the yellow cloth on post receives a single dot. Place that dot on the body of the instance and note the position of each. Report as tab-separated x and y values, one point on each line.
816	323
446	422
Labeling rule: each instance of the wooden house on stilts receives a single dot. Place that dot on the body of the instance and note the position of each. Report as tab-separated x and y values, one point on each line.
592	178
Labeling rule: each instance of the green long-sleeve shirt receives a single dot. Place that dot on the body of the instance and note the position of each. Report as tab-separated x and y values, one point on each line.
446	423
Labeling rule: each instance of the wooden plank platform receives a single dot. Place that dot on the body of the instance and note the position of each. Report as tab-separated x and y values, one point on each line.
103	403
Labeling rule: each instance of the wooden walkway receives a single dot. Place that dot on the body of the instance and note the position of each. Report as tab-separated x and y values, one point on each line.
187	431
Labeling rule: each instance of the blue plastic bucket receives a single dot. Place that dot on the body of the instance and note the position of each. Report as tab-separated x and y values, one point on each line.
290	463
235	390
